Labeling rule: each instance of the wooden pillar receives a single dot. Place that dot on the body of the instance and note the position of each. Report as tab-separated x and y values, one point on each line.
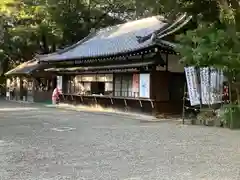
21	90
30	89
152	83
64	83
166	60
34	89
18	83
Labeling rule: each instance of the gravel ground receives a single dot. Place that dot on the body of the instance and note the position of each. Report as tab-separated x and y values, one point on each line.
39	143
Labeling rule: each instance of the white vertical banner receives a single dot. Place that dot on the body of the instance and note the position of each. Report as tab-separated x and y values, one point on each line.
59	82
144	85
216	85
192	85
211	85
205	85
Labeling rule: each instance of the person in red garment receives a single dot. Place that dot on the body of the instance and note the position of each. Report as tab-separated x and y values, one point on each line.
56	95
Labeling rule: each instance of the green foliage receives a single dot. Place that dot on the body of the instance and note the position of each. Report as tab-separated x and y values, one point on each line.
215	42
28	27
231	116
209	46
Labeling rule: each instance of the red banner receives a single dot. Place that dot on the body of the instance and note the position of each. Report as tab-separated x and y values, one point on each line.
135	85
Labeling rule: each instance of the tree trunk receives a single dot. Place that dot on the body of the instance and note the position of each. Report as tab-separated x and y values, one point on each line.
45	45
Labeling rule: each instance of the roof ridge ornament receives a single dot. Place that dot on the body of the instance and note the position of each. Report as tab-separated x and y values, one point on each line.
182	20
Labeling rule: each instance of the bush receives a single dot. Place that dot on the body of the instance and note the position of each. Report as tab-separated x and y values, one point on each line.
206	117
232	116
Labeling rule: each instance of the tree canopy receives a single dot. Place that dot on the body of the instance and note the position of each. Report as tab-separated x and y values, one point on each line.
28	27
216	39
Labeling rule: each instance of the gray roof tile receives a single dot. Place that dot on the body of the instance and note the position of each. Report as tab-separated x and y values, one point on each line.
24	68
112	40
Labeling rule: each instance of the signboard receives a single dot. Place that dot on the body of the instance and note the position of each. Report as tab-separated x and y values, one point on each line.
144	86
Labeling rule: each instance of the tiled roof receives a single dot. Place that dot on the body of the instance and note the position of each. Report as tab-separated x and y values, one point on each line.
112	40
24	68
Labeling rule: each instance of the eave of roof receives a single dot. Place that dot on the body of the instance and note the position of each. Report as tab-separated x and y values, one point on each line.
25	68
92	68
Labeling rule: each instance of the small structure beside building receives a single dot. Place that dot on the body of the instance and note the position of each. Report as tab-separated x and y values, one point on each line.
131	66
29	82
